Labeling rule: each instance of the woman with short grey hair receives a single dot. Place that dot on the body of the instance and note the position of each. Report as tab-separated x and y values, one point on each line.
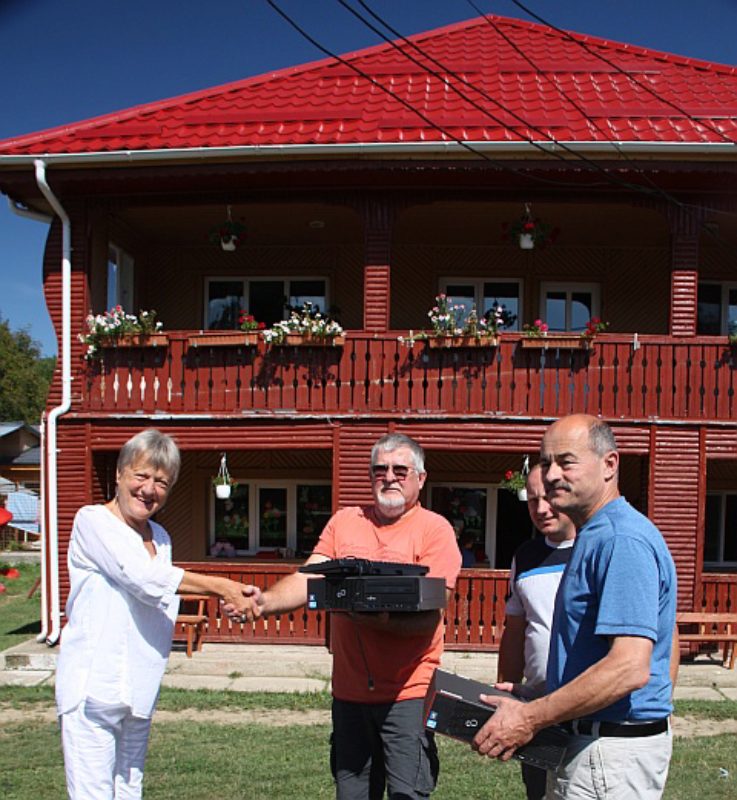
121	611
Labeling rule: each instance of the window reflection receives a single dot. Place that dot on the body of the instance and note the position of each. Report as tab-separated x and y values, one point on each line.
225	300
581	311
555	311
503	293
465	509
231	520
272	511
314	507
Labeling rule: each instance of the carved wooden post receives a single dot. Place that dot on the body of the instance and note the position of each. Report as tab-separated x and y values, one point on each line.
685	228
378	215
675	505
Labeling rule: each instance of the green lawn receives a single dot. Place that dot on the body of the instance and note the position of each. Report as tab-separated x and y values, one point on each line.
203	760
19	615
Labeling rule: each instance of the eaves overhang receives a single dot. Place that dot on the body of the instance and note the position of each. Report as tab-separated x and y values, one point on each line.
384	150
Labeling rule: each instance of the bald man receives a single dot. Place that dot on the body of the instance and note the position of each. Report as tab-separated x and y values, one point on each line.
609	671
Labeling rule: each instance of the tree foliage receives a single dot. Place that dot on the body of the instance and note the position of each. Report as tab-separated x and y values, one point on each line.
25	376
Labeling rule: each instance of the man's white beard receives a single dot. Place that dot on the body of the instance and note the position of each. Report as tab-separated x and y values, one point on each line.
390	501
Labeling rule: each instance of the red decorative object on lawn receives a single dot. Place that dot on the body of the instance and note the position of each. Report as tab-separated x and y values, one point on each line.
10	572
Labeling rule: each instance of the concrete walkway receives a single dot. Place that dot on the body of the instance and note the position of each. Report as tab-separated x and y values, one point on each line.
295	668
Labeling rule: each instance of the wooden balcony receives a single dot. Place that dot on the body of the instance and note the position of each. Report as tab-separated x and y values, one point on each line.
474	619
618	376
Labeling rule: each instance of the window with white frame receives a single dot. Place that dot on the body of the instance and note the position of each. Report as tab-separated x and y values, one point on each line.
119	278
287	516
720	534
267	299
716	308
568	306
485	294
495	520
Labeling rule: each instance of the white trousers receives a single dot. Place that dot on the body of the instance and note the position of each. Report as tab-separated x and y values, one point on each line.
104	752
612	768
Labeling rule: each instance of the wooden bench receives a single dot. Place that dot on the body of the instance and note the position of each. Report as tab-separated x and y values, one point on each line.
704	627
194	621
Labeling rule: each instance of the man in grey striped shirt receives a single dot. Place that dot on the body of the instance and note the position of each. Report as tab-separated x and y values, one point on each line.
537	568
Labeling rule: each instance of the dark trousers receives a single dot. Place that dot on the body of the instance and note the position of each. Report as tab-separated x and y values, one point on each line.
535	779
382	745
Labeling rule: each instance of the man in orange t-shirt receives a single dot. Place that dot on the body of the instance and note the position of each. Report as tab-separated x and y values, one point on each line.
382	662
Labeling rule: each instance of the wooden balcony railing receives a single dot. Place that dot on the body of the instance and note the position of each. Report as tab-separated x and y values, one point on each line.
619	376
474	619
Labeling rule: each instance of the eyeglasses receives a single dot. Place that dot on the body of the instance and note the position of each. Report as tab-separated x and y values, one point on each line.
381	471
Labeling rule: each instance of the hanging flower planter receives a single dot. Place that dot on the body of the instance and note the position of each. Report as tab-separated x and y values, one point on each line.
222	482
529	231
229	234
526	241
516	480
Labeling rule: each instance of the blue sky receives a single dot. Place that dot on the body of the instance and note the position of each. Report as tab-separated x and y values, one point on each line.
68	61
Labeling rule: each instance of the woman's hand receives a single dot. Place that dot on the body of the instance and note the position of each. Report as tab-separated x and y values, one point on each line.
242	602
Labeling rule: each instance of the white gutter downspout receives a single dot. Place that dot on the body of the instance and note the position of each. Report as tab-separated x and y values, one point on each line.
63	407
22	211
44	544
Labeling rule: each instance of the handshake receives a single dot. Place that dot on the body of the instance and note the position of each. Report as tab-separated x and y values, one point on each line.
244	605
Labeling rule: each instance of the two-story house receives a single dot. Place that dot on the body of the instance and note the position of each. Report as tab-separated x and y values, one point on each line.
370	184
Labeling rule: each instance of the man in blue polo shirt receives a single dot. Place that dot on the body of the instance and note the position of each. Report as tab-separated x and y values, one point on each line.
610	669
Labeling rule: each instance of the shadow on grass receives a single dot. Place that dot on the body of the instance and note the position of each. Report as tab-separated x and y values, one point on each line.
29	628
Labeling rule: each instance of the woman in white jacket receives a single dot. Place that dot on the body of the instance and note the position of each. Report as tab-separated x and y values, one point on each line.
121	611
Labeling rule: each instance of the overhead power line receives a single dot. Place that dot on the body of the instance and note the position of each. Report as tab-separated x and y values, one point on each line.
624	72
594	165
504	165
615	144
465	145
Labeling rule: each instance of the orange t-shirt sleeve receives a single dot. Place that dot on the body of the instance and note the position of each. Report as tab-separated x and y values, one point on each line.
441	553
326	543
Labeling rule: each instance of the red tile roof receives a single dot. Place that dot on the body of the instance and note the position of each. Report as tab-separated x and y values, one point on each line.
566	92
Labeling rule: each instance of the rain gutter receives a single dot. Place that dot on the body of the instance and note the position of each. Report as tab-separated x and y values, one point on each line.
369	149
52	505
